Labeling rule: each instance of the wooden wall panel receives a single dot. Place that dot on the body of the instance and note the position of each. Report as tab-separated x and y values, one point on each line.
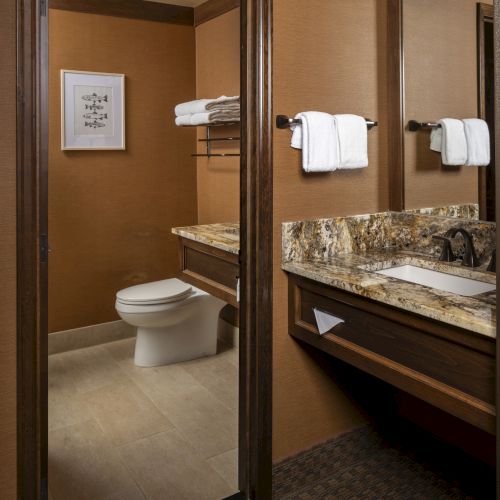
328	56
8	458
110	212
218	73
440	81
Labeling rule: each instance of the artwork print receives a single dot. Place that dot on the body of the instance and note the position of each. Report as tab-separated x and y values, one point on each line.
92	110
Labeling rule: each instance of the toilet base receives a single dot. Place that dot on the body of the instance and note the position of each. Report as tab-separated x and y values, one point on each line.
190	339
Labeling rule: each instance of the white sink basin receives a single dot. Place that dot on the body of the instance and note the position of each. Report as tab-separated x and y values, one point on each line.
441	281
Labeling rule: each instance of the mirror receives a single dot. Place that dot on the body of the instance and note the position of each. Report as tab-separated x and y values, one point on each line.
448	72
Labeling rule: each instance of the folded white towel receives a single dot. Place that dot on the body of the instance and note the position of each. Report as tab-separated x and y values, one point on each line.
183	121
203	105
352	135
477	135
450	141
207	118
317	137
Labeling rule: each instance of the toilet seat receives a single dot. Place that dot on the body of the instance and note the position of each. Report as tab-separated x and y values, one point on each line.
157	292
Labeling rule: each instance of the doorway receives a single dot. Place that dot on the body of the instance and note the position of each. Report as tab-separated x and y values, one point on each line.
254	403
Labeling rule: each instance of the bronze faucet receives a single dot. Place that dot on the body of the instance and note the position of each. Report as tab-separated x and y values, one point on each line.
470	259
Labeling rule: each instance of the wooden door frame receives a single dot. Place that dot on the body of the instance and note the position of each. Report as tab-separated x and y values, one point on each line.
255	402
396	104
484	12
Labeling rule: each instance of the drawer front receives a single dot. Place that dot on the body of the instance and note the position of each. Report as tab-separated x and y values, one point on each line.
211	267
453	364
212	270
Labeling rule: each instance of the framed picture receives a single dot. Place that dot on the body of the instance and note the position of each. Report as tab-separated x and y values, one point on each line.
92	110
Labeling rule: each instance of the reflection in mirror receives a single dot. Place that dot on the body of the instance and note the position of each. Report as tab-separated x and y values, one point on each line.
447	75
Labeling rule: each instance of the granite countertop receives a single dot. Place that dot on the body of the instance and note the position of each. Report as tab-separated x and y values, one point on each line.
345	253
224	236
356	274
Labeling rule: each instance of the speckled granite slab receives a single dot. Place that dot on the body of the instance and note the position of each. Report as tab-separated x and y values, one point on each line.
466	211
346	252
324	238
224	236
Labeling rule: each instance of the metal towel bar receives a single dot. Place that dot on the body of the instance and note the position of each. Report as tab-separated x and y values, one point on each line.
283	121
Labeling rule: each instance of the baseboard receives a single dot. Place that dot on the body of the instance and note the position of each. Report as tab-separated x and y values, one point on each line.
69	340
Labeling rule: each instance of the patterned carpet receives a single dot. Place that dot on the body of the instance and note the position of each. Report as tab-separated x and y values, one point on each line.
367	464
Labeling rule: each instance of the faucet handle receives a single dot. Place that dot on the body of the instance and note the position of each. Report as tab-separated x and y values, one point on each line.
447	254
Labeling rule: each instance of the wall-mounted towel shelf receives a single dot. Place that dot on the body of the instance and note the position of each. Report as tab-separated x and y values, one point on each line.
283	121
414	126
209	139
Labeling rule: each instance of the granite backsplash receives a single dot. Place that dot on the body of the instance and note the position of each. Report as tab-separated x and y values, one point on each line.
326	238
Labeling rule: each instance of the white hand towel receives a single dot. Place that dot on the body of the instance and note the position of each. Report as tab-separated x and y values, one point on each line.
477	135
437	139
352	141
453	142
203	105
317	137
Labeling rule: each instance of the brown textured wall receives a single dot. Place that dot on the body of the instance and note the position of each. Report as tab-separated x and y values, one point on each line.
218	73
440	81
337	65
8	251
110	212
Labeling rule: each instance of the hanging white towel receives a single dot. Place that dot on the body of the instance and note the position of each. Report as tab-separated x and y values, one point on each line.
317	137
436	139
477	135
352	134
453	143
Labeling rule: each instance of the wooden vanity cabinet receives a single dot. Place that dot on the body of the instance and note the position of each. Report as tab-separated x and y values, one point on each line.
210	269
450	368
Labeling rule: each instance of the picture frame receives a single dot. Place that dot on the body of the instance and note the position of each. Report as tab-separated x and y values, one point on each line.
92	110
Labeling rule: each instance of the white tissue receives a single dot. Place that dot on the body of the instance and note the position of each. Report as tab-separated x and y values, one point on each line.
326	321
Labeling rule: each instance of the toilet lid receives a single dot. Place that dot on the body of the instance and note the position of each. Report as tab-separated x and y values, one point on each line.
158	292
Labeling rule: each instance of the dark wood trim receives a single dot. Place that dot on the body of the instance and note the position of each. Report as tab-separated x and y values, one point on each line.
497	201
133	9
256	251
485	13
396	118
212	9
31	269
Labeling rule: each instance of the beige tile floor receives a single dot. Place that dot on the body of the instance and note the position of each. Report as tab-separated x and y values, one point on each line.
119	432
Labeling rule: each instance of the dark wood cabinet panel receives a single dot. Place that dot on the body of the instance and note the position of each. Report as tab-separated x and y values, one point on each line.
450	368
210	269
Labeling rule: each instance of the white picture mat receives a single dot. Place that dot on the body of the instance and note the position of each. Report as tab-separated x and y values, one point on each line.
70	140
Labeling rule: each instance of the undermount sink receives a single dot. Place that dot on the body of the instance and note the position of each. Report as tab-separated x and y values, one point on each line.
436	279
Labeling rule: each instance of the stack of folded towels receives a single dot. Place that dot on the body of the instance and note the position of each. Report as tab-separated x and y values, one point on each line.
462	142
331	142
208	111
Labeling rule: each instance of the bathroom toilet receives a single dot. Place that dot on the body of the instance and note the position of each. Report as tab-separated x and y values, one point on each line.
175	321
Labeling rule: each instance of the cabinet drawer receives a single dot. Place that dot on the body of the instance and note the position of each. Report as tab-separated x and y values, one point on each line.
443	365
210	269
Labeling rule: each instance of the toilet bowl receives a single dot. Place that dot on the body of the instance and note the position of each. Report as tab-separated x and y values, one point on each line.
175	321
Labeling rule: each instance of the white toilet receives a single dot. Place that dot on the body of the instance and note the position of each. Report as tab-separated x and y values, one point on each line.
175	321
